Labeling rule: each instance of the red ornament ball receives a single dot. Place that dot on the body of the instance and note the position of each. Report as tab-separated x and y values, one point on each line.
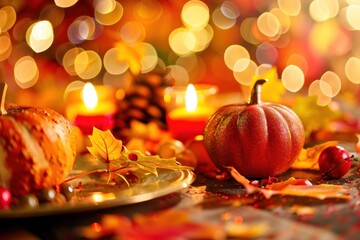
334	162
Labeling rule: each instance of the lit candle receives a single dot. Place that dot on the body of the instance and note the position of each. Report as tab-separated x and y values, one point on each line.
92	113
187	122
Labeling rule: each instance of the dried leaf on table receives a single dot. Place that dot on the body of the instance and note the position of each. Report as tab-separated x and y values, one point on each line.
288	187
308	158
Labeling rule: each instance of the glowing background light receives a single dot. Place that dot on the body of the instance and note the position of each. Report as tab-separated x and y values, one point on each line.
352	69
40	36
312	44
195	14
290	8
5	46
7	18
293	78
65	3
237	58
108	12
87	64
26	72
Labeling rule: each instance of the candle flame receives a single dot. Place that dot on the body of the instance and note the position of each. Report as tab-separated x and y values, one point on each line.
191	100
89	96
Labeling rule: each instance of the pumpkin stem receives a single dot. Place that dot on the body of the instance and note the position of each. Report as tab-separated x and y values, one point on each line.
255	97
3	88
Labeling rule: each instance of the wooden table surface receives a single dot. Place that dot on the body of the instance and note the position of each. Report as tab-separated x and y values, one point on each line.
211	201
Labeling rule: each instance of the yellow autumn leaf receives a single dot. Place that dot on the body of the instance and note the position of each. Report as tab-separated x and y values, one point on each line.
308	158
105	147
273	89
313	116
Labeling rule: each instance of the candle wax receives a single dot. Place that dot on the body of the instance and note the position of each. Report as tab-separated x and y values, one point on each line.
87	122
100	117
185	125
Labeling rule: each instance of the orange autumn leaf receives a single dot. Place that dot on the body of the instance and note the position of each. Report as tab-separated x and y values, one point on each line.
321	191
308	158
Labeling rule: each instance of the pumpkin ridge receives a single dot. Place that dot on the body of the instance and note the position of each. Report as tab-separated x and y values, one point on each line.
285	156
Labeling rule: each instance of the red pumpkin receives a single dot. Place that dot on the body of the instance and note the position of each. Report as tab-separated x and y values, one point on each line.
37	148
257	139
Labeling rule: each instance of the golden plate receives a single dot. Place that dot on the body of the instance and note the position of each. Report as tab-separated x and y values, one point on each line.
92	192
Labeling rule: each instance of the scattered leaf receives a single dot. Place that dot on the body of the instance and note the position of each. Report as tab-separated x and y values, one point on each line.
308	158
321	191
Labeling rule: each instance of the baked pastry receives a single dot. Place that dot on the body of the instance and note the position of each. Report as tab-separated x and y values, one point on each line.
37	149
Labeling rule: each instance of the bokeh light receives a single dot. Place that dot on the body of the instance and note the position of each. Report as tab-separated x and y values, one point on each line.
315	90
195	14
7	18
322	10
87	64
68	61
26	72
40	36
293	78
108	12
132	32
245	76
290	8
112	64
352	69
65	3
268	24
5	46
237	58
225	16
330	84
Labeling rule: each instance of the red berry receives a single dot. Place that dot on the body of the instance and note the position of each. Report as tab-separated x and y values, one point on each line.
133	157
5	198
334	162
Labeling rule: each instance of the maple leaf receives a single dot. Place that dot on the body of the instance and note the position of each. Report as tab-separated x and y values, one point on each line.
105	147
312	115
289	187
309	157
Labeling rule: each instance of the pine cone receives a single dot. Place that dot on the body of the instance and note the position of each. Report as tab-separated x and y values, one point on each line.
143	102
